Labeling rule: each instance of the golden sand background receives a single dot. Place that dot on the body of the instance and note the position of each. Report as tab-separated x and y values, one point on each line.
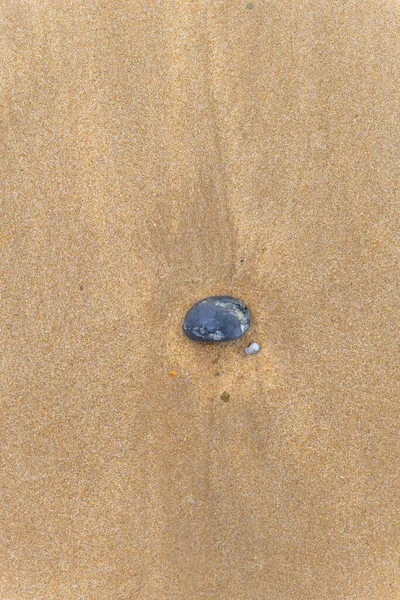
156	152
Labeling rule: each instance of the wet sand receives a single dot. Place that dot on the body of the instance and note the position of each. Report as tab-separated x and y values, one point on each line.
155	153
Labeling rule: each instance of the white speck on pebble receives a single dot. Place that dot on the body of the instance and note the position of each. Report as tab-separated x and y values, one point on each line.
252	348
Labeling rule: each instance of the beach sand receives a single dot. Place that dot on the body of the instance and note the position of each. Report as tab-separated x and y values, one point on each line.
155	153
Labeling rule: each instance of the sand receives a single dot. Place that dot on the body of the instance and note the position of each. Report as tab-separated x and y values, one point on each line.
154	153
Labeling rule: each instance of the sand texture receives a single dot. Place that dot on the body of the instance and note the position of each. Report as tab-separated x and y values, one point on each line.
155	152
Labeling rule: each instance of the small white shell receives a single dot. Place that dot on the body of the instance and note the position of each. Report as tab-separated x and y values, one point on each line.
252	348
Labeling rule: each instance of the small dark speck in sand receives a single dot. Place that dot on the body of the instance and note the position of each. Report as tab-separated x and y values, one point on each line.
225	397
250	5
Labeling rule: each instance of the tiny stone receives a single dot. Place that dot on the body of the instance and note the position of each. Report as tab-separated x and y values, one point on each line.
225	397
252	348
217	319
190	500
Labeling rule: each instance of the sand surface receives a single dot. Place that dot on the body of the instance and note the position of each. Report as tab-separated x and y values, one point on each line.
153	153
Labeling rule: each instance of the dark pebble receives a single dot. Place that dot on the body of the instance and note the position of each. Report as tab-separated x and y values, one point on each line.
217	319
